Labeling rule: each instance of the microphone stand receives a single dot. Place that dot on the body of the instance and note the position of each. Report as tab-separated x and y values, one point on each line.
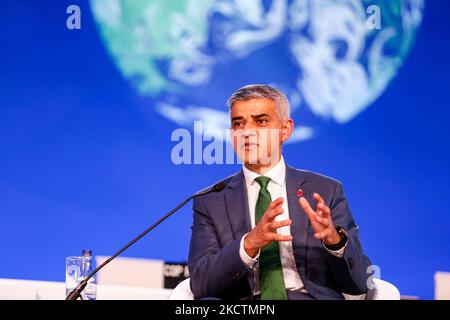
76	293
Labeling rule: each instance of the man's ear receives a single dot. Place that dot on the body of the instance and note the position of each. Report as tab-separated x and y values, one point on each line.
286	130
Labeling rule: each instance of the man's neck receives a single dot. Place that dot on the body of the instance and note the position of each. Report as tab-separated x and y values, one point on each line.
260	168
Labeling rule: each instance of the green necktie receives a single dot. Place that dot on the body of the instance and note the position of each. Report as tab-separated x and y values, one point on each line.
271	281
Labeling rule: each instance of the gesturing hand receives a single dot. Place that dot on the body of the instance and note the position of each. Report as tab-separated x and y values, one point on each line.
321	220
265	231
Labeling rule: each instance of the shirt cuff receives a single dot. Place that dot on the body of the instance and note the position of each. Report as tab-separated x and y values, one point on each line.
246	259
337	253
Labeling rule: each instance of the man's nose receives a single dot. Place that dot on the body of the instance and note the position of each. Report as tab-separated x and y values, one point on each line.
248	132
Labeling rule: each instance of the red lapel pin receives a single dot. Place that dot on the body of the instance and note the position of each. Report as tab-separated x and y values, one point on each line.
299	192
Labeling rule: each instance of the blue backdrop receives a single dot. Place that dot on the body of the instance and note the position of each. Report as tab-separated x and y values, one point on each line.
85	148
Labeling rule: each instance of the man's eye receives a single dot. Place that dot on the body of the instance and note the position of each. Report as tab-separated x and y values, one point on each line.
262	121
237	124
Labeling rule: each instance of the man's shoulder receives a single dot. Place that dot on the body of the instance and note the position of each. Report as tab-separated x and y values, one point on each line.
312	177
302	174
214	196
226	181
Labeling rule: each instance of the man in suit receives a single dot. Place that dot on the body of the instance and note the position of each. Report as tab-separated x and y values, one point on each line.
274	232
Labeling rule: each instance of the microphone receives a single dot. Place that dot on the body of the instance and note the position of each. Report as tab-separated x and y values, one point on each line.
215	188
75	293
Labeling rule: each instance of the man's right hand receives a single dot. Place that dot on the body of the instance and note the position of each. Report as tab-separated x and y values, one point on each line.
265	230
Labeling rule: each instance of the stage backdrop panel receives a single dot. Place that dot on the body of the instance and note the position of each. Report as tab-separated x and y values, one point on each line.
87	114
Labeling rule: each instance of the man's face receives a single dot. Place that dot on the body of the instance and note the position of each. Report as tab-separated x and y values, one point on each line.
257	131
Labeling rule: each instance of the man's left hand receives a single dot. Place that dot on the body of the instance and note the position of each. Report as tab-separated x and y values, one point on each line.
321	221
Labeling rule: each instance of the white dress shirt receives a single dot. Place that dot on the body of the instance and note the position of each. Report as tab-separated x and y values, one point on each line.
277	188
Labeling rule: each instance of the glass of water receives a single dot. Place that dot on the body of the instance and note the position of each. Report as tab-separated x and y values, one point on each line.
74	273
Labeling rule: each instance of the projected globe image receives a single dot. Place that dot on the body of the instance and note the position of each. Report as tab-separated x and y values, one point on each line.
323	54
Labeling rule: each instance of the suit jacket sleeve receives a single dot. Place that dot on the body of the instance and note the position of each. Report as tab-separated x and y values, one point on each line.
351	271
214	268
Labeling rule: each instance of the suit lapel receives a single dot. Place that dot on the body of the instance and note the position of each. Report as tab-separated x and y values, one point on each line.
300	222
236	200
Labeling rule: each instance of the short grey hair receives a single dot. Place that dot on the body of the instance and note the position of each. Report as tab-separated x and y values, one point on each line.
264	91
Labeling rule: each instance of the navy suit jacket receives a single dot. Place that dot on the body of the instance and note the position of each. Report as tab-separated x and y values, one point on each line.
221	219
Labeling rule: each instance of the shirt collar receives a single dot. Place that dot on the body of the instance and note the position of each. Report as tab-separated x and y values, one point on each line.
277	174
